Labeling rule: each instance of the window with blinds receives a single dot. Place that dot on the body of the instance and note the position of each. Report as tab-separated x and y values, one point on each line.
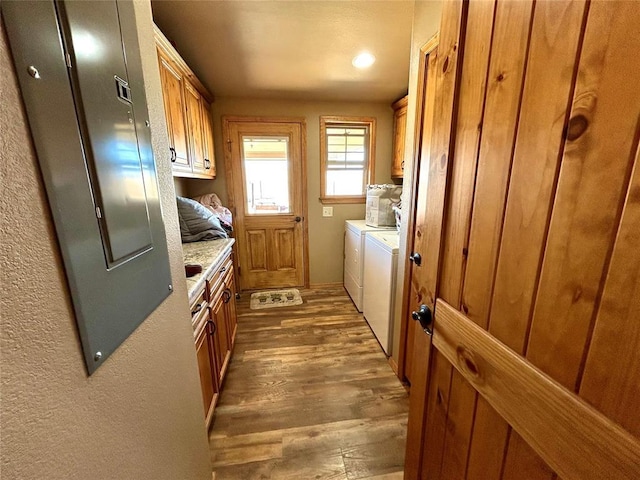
346	158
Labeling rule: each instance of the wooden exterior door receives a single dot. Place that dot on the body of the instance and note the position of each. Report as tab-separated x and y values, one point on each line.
530	252
267	181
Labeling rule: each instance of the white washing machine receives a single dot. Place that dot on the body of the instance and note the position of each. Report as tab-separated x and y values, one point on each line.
355	232
380	266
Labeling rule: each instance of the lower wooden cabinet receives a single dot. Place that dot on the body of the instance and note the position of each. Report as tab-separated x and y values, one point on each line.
206	365
221	336
213	314
230	303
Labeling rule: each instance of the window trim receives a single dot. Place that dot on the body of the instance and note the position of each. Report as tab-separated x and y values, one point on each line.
327	121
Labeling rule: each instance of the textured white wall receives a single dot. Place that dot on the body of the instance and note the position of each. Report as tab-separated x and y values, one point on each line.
140	416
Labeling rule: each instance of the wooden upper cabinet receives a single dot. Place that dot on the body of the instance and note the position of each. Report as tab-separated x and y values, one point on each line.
187	106
399	130
207	133
173	91
193	103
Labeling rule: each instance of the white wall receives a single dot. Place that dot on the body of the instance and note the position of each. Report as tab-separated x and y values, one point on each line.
140	416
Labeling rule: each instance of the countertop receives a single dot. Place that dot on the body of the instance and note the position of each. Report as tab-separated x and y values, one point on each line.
209	254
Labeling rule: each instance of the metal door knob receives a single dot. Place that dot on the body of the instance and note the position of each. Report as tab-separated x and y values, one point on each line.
298	219
416	258
425	317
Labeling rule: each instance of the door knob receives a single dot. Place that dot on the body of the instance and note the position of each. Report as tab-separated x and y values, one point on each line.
298	219
416	258
425	317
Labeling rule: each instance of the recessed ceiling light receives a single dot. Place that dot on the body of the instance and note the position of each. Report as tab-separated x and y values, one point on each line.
363	60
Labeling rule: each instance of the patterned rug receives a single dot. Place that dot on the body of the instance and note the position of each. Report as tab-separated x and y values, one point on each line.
275	298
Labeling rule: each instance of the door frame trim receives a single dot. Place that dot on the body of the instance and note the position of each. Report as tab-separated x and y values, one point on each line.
425	51
448	69
228	172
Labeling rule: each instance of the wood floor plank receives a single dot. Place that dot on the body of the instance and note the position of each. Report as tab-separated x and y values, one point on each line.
309	394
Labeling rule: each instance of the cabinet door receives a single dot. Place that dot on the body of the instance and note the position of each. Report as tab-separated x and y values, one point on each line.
399	130
220	336
230	306
172	92
206	367
207	140
193	103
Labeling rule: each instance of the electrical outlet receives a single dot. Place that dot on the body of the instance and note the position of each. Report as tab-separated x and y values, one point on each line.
327	211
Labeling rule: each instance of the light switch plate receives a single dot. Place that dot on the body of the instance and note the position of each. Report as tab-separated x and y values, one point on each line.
327	211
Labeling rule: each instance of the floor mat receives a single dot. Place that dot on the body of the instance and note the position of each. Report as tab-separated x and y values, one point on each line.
275	298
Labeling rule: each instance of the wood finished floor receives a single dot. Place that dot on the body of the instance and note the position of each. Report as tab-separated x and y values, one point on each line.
309	395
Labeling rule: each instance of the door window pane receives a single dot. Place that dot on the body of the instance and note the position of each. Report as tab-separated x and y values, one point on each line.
266	171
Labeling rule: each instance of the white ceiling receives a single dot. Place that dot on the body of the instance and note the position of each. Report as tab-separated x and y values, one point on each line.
295	49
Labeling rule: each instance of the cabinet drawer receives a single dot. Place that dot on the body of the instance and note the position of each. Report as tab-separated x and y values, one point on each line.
199	309
228	275
215	283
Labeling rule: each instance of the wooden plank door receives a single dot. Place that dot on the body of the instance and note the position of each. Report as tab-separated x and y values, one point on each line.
266	179
532	270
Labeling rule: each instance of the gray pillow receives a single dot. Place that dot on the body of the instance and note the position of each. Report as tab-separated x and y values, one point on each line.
197	222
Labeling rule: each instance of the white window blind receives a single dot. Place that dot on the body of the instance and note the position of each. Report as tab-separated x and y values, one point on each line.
346	148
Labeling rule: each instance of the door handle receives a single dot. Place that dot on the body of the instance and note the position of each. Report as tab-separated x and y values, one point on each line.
416	258
425	317
174	156
298	219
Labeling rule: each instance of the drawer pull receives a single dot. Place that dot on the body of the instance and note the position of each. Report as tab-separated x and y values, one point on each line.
228	297
197	309
213	327
223	269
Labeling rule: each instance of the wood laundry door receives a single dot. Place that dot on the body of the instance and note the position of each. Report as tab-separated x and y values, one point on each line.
266	180
530	254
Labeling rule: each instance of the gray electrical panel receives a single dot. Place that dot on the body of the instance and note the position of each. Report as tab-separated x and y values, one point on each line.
80	74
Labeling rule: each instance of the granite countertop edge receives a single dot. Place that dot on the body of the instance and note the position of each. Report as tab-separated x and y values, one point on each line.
209	254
